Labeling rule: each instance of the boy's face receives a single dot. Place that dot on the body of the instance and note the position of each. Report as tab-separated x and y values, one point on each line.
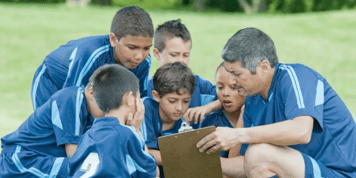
130	50
176	50
227	91
172	106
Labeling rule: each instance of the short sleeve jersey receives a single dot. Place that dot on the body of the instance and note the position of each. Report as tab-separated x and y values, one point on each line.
217	119
204	92
72	64
110	149
297	90
151	127
61	120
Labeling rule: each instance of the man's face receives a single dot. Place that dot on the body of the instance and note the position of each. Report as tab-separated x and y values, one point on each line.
172	106
175	50
130	51
247	84
226	91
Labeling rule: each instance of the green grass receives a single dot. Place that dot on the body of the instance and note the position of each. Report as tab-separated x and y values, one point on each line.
324	41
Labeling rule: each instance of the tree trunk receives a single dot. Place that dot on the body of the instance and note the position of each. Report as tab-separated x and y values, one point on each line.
256	6
199	5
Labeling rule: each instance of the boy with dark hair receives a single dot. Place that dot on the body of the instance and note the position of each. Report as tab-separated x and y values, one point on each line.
128	44
172	43
42	145
229	116
173	85
111	148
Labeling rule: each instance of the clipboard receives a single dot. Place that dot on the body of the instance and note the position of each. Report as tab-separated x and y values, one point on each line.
181	158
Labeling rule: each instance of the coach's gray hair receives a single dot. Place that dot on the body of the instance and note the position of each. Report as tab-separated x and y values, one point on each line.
250	46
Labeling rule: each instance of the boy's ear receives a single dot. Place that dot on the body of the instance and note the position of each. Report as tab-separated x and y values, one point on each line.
112	39
156	96
156	54
128	99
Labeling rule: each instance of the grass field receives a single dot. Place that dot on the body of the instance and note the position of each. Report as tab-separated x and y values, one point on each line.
323	41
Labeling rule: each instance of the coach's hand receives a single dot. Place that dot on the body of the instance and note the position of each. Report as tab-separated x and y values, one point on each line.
222	139
136	120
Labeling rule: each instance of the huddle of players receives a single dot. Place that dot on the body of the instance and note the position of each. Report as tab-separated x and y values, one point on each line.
79	81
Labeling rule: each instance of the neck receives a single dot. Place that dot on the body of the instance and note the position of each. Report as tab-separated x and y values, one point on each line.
267	83
233	117
121	114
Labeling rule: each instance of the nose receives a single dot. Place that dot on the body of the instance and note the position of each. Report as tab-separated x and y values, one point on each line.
139	56
179	106
225	92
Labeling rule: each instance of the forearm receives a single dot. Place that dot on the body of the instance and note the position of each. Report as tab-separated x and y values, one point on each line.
233	167
215	105
70	149
157	155
290	132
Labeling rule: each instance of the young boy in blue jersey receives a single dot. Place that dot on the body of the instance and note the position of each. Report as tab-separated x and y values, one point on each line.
296	124
229	116
172	43
114	147
173	85
128	44
41	146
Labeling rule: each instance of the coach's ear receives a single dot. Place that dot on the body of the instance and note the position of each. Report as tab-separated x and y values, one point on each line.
263	67
156	54
112	39
156	96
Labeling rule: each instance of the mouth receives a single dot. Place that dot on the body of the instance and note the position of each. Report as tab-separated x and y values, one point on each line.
177	114
227	103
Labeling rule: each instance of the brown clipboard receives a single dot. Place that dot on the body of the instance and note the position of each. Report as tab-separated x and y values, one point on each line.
182	159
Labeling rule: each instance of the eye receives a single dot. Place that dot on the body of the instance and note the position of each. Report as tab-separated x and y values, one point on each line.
186	101
132	47
171	101
220	87
147	48
186	55
173	55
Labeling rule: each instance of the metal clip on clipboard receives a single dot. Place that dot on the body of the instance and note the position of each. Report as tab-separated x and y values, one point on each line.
185	127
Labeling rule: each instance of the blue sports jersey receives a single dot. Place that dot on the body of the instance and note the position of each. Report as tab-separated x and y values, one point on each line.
151	127
217	119
61	120
110	149
297	90
72	64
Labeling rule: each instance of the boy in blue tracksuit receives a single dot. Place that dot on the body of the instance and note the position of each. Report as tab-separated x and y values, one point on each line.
128	44
172	43
173	85
41	146
114	147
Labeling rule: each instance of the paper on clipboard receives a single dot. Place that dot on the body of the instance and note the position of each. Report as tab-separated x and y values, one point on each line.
182	159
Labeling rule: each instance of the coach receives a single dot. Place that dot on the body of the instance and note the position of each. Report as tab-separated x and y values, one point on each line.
295	123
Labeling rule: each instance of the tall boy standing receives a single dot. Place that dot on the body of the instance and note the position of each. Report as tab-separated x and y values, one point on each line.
42	144
172	43
173	85
111	148
128	44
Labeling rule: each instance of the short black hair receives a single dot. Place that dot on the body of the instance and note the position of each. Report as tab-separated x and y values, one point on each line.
250	46
169	30
173	77
110	83
132	20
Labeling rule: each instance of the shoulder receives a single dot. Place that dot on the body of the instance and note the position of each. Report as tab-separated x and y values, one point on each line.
212	117
67	93
149	102
297	72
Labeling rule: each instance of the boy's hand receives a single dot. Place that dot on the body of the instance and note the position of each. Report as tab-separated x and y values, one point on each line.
136	120
197	114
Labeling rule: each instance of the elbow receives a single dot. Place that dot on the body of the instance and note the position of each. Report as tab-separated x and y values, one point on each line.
305	137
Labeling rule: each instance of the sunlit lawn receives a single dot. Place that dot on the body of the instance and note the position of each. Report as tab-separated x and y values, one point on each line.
323	41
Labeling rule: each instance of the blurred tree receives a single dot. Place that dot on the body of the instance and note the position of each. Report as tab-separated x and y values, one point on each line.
199	5
255	7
